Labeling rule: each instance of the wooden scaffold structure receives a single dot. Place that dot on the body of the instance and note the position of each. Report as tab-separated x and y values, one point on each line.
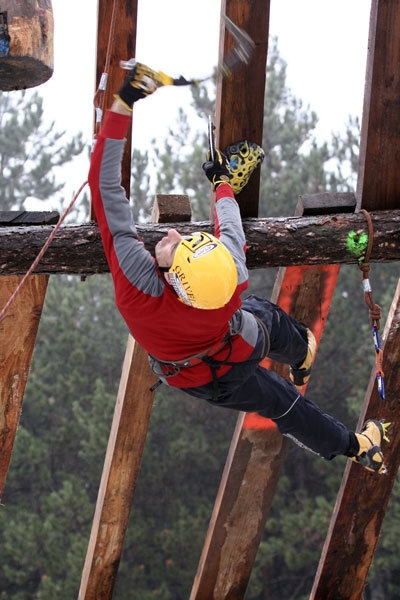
304	287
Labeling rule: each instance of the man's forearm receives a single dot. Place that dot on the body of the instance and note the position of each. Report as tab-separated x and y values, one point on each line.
120	108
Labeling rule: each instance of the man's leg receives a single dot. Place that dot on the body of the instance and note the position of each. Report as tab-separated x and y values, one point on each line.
295	416
287	336
252	388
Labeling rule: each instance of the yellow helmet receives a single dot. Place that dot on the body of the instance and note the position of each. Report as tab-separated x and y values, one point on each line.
203	272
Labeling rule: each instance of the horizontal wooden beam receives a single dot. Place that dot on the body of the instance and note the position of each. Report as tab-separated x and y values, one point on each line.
26	217
290	241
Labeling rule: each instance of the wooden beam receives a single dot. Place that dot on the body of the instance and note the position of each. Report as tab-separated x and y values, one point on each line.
27	55
240	98
121	469
256	456
24	217
290	241
364	496
116	33
246	491
379	174
18	331
171	207
120	473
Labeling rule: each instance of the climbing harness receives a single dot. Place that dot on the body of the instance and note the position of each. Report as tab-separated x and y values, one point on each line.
165	369
40	255
374	309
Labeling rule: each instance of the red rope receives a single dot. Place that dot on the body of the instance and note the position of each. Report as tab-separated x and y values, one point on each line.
374	309
99	105
40	255
99	97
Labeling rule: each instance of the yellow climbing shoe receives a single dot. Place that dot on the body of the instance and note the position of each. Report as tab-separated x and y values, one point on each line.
370	439
299	375
243	158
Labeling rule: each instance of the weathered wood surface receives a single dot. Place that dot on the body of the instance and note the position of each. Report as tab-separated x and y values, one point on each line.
30	59
121	466
363	496
116	25
255	459
258	451
239	109
18	331
378	181
290	241
120	473
361	505
24	217
171	207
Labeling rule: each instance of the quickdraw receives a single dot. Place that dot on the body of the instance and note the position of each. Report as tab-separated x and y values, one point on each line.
379	357
374	309
39	257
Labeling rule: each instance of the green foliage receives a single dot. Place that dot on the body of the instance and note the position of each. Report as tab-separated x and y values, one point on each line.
69	401
57	458
140	186
29	152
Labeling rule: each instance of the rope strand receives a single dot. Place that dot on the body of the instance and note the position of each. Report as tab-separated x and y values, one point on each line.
374	309
99	98
364	266
40	255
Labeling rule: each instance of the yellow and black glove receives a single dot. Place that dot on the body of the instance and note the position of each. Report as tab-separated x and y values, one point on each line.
217	170
140	82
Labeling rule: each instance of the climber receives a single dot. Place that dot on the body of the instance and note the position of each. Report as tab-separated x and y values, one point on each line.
184	307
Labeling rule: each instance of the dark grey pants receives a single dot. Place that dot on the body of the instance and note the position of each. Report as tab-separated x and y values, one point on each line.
249	387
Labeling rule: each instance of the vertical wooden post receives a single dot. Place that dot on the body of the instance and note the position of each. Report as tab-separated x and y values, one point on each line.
240	98
363	497
18	332
256	456
378	182
120	19
122	462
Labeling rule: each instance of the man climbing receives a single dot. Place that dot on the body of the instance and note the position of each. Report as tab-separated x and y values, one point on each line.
184	306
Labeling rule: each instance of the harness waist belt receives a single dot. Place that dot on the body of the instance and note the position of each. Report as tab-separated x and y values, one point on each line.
195	359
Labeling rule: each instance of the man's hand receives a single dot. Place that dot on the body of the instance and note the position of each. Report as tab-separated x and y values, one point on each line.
217	170
139	83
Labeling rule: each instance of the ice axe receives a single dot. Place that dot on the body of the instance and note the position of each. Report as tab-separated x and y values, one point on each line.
242	51
239	56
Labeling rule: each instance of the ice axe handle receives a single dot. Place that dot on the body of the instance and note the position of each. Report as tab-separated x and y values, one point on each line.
242	51
211	138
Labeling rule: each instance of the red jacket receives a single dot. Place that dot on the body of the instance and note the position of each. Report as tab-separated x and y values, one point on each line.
163	325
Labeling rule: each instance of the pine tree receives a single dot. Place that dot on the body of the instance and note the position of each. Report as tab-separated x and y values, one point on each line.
58	456
29	152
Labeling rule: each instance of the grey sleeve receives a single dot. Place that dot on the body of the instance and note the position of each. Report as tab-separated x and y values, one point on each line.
135	261
231	233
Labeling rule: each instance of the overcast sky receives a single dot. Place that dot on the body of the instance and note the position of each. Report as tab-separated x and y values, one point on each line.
323	43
